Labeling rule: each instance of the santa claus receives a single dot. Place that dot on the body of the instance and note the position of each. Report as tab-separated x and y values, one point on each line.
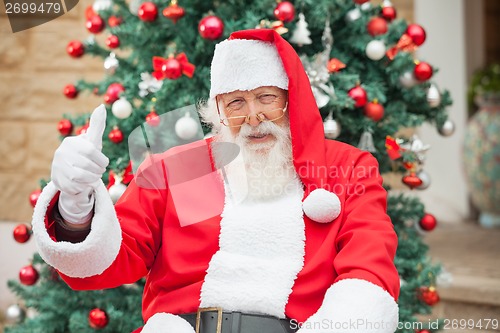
292	235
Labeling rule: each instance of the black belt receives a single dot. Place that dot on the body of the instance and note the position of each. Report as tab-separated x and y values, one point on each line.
214	320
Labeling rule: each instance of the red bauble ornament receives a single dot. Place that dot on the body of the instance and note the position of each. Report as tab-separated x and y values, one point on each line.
428	222
211	27
417	33
34	197
22	233
75	49
82	130
89	12
424	331
95	24
98	318
148	12
113	92
153	119
388	13
116	135
412	180
172	68
114	21
374	110
422	71
377	26
113	42
28	275
284	11
360	2
358	94
174	11
65	127
70	91
429	295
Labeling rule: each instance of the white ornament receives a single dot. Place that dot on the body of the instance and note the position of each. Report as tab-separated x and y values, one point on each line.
111	64
14	314
353	15
321	206
100	5
408	80
433	96
301	33
444	278
375	50
149	84
134	6
425	178
366	6
331	127
447	129
116	190
122	108
186	127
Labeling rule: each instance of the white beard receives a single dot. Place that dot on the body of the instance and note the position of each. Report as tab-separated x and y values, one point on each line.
267	167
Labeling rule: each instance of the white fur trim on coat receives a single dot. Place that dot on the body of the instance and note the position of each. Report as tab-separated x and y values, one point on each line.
321	206
354	305
167	323
241	64
262	247
90	257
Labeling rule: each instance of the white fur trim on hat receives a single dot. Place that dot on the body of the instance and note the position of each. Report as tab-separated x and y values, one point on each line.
241	64
167	323
321	206
354	305
90	257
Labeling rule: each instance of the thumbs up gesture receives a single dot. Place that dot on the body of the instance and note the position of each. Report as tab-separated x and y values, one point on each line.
77	169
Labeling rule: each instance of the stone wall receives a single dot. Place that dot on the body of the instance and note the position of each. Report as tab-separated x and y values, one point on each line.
34	68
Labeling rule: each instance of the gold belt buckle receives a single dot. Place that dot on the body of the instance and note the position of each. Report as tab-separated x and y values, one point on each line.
219	318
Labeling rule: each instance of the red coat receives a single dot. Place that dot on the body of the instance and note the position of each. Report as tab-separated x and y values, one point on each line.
359	244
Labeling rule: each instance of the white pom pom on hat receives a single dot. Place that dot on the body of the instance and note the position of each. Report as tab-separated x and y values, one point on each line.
321	206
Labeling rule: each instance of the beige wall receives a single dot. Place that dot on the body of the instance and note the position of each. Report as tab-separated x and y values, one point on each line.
34	68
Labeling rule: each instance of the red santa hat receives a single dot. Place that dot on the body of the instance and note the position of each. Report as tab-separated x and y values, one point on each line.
261	57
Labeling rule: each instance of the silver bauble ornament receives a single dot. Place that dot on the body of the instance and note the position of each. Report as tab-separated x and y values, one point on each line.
375	50
331	127
122	108
111	64
408	80
186	127
353	15
425	178
433	96
447	129
14	314
116	190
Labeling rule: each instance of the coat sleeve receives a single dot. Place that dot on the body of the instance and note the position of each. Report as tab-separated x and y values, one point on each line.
363	296
122	242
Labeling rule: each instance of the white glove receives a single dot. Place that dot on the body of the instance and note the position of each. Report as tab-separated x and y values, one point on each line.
77	169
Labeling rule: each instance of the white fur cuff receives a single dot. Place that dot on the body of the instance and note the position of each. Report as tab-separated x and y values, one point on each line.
167	323
90	257
354	305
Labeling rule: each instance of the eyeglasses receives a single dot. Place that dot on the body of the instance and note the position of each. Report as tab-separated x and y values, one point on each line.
238	121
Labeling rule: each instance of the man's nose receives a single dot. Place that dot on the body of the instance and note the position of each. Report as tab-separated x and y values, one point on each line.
253	111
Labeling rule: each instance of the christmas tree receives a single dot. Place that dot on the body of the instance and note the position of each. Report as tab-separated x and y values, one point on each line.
367	83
